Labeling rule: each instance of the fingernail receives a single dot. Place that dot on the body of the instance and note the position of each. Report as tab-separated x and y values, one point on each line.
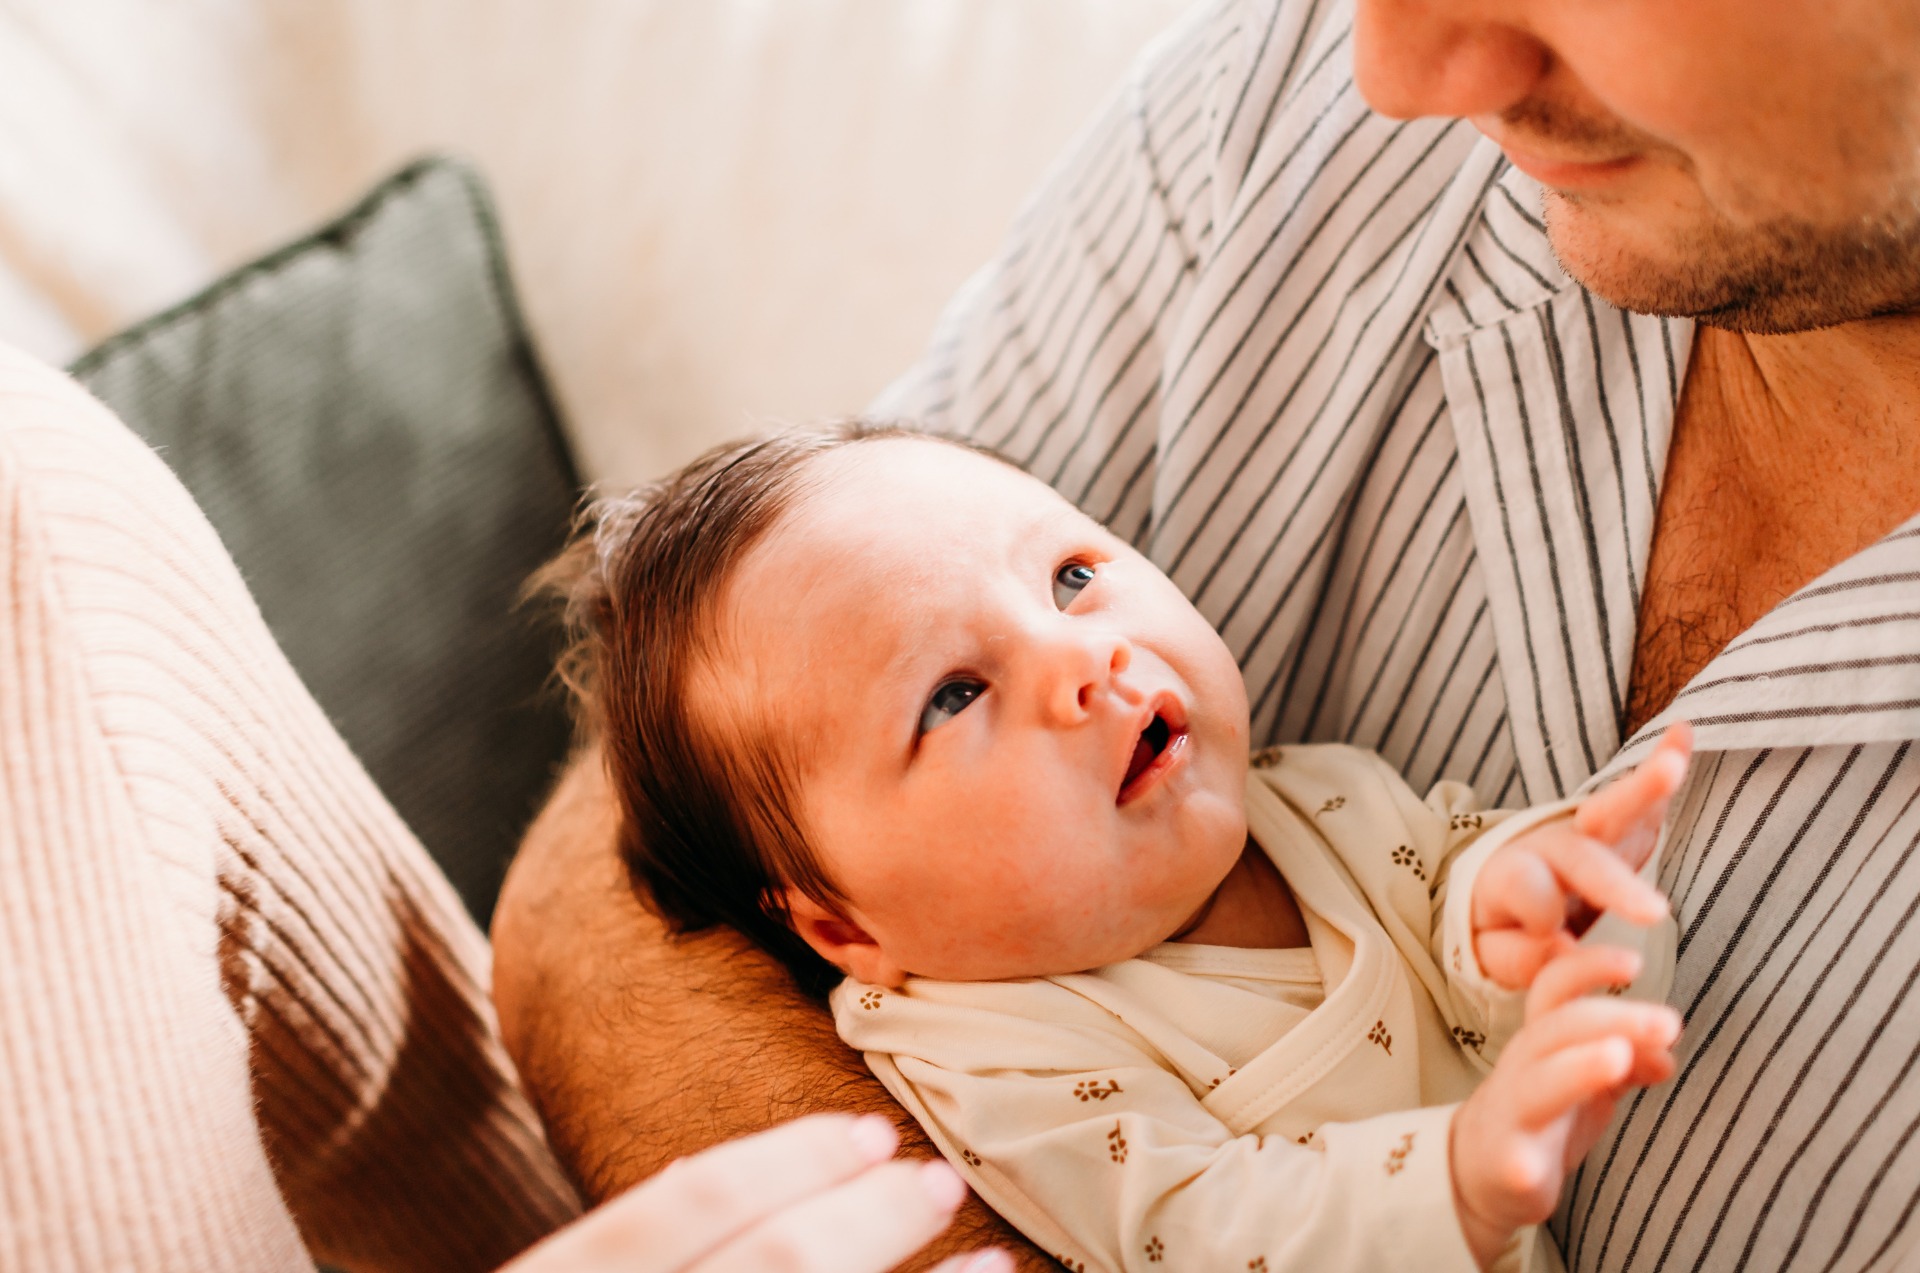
991	1260
942	1185
874	1137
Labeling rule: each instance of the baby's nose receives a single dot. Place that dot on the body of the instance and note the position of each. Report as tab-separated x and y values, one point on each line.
1085	664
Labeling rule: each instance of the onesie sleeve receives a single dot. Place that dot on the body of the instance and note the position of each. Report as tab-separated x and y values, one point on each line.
1486	1011
1073	1128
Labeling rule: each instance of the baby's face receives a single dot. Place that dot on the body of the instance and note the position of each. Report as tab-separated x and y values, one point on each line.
1020	751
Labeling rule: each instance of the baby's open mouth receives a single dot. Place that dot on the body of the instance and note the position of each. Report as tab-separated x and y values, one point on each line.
1152	741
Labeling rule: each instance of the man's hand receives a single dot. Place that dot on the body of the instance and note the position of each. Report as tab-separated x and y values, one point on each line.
1540	891
638	1047
1552	1093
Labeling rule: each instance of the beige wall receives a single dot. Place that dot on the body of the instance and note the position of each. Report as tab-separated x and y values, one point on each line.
720	211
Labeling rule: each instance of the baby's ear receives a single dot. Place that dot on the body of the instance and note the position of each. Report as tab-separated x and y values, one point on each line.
840	941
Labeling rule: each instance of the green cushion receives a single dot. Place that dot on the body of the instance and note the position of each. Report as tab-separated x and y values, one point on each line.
362	418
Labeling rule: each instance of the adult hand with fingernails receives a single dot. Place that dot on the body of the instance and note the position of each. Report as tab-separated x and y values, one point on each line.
823	1194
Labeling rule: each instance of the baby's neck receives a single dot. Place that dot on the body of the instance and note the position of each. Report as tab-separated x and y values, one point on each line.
1253	907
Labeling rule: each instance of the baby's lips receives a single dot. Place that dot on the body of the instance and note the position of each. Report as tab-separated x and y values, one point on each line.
1164	706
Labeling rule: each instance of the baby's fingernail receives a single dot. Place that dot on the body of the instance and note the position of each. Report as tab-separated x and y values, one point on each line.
991	1260
942	1185
874	1137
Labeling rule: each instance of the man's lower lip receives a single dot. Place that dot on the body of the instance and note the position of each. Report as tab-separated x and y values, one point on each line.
1561	175
1174	754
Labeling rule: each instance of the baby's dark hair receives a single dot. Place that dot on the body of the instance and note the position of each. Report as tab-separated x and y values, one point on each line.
709	831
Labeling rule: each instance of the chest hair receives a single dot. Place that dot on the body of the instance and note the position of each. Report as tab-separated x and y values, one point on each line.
1754	507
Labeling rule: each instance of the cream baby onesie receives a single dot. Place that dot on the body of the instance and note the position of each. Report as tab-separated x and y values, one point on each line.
1202	1107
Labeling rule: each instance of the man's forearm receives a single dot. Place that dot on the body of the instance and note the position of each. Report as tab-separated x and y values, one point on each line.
638	1047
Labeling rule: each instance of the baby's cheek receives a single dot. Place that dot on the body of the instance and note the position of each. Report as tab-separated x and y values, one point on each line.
1216	836
1218	817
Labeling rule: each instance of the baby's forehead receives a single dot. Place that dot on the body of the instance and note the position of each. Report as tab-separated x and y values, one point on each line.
874	489
878	527
876	561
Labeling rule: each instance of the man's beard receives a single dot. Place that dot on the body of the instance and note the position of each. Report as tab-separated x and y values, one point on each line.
1771	279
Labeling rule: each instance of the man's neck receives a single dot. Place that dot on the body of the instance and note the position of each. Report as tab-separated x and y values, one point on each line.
1789	455
1840	405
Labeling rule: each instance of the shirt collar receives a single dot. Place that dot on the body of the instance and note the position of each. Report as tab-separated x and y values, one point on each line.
1562	407
1838	662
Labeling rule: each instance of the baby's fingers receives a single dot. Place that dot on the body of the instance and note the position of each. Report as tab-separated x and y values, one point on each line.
1563	1080
1593	872
1646	1030
1578	973
1517	889
1512	958
1641	796
1562	1012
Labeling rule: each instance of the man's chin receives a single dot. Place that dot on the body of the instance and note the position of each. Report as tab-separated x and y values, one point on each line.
1773	279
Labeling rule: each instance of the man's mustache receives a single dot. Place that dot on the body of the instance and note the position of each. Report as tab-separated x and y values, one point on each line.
1538	121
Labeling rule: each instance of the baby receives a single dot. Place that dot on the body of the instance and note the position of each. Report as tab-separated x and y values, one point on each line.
899	712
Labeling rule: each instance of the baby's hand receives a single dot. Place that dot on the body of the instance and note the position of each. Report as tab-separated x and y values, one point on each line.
1539	892
1552	1093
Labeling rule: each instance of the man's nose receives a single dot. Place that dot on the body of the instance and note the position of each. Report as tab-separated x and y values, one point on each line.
1459	58
1077	664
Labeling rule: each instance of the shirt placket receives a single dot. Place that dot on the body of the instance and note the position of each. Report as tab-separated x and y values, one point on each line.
1562	429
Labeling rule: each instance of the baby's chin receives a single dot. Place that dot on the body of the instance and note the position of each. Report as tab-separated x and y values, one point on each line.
1167	889
1115	943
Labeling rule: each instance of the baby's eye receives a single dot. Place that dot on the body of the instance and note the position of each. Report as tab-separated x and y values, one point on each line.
1069	580
947	702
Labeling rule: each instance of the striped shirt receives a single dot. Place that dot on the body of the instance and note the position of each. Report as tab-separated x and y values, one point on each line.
1322	367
